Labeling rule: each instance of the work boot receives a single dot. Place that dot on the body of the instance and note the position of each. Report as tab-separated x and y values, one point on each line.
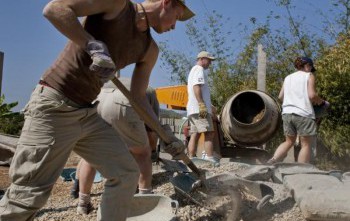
84	208
74	192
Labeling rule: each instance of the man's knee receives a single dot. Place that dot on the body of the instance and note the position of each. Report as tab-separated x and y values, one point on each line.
290	140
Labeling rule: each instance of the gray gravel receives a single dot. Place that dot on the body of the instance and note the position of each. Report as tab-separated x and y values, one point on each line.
281	208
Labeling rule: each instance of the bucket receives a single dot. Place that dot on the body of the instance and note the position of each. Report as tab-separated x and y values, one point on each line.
250	118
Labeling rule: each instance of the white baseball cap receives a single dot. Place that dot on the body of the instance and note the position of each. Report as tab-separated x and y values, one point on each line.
205	54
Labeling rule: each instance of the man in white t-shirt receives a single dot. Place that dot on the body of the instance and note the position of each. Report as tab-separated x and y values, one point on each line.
199	108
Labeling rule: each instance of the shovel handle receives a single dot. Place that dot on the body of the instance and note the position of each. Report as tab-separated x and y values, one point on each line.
154	125
141	111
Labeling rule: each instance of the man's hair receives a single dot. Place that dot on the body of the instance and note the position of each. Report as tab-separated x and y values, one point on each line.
299	63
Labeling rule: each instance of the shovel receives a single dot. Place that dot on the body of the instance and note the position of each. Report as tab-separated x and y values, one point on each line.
155	126
222	183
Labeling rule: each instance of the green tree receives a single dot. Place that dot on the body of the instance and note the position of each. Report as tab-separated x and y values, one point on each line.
282	45
10	122
5	109
233	72
224	78
334	84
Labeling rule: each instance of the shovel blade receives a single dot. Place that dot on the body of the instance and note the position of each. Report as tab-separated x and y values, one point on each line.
184	182
184	185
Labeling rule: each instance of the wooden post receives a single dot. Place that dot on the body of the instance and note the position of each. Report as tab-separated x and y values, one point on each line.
261	79
1	66
261	69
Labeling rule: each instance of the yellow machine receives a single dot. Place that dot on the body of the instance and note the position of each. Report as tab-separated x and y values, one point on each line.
175	97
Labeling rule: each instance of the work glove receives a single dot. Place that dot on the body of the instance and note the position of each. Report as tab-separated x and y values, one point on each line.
176	146
203	111
102	63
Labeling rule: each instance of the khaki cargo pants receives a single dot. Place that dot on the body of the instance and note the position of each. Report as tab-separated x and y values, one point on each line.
116	110
55	126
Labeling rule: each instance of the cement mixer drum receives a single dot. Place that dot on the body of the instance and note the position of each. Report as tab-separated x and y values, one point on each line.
250	118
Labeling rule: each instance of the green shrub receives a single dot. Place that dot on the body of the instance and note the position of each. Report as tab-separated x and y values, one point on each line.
333	79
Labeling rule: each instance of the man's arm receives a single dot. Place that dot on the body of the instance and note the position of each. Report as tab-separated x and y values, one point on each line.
139	84
203	110
63	14
197	89
140	79
152	139
311	89
281	94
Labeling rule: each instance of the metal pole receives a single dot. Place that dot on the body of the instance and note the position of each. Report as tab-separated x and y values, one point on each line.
1	66
261	69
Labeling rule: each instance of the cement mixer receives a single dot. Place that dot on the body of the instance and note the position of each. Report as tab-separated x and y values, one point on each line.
250	118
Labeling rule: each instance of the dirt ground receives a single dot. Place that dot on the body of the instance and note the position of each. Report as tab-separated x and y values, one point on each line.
62	207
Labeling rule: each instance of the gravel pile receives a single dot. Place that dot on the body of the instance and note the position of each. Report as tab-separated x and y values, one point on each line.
217	207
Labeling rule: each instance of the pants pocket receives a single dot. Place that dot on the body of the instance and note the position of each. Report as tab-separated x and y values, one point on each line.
31	155
39	106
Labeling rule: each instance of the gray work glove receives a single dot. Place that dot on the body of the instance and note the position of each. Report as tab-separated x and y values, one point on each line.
102	63
176	146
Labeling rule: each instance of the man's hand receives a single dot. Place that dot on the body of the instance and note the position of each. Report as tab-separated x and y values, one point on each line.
203	111
102	64
176	146
322	109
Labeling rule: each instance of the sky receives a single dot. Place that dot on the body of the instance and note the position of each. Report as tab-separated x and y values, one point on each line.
31	44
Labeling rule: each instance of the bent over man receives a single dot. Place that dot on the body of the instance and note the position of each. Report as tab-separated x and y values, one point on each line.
116	110
61	116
